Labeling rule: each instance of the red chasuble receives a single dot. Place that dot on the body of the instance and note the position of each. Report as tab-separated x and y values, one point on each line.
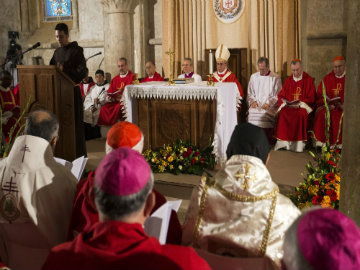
119	245
292	122
156	77
84	214
9	102
334	89
228	76
85	93
111	112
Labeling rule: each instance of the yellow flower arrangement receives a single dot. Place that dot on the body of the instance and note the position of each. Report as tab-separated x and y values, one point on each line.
180	157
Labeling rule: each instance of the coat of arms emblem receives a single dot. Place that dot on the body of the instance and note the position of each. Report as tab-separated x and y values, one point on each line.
228	11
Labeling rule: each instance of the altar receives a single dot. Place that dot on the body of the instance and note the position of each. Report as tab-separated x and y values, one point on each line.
194	112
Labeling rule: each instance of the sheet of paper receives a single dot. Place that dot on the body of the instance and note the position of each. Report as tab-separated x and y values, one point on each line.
79	166
175	205
76	167
64	162
157	224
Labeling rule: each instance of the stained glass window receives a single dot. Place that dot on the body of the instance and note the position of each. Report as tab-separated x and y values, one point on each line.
57	10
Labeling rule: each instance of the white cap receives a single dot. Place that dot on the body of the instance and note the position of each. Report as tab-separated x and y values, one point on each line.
222	53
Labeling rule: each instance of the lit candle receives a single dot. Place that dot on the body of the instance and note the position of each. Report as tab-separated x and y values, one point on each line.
211	62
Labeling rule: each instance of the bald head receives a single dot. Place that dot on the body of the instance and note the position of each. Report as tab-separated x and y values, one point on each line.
43	124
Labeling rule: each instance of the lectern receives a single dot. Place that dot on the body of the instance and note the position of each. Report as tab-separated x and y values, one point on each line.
52	90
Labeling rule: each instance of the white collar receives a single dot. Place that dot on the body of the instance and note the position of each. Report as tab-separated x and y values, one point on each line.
150	77
222	73
298	79
342	75
123	76
4	89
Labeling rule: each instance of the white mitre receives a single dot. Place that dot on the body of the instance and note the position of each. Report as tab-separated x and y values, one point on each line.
222	53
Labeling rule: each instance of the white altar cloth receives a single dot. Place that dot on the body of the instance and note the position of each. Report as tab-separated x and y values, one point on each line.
227	99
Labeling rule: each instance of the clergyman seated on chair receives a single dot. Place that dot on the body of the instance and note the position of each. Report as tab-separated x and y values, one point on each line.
92	105
124	199
111	112
240	212
35	189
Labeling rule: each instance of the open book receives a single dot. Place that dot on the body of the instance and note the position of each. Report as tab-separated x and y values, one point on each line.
157	224
294	102
333	100
76	167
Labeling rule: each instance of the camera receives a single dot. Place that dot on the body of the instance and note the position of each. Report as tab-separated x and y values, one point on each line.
13	35
14	52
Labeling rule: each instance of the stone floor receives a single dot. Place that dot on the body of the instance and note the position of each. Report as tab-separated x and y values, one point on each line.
285	167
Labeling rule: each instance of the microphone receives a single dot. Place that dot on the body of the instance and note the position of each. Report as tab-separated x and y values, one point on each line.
94	55
35	45
32	47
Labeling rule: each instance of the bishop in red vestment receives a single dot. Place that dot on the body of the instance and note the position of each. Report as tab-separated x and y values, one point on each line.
223	74
296	100
84	213
334	83
9	104
152	75
123	196
111	112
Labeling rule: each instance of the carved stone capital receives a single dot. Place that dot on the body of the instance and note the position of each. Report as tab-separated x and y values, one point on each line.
119	6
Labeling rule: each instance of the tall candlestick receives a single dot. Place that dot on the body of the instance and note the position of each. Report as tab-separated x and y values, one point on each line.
211	64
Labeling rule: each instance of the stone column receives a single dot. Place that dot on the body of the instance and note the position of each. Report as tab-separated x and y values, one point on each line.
118	33
350	175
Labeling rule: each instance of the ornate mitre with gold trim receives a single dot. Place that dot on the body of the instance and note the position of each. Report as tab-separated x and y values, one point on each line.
222	53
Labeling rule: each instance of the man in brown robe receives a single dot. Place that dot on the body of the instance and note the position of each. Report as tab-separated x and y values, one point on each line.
69	58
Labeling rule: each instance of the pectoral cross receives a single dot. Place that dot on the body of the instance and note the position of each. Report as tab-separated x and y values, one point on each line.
337	90
245	176
24	149
10	186
297	93
228	3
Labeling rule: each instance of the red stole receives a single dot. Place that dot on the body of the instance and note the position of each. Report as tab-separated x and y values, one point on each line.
156	77
119	245
334	88
82	91
84	214
111	112
229	77
292	122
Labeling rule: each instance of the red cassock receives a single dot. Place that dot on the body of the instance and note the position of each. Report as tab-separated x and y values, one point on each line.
82	91
111	112
84	214
9	103
156	77
119	245
292	122
228	76
334	88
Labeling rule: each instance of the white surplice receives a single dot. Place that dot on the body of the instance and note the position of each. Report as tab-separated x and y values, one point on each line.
97	91
239	212
263	90
36	189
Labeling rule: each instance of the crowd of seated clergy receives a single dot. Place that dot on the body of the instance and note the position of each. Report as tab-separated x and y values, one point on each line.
97	223
289	112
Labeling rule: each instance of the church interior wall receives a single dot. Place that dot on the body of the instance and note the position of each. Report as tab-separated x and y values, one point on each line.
9	21
87	28
324	35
